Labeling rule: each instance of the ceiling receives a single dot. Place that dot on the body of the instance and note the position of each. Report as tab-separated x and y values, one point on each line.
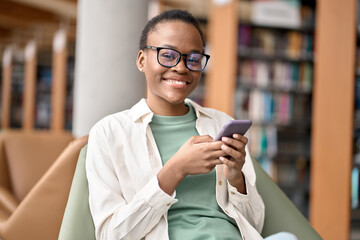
25	20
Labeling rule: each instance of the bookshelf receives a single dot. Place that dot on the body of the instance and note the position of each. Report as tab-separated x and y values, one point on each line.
274	90
17	90
69	100
331	104
12	87
28	103
43	86
44	90
333	98
6	87
37	88
58	81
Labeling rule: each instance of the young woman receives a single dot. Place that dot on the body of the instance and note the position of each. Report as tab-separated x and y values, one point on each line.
154	171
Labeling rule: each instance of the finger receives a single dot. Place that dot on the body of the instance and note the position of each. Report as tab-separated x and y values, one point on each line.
212	163
217	154
216	161
232	152
213	146
227	162
243	153
241	138
233	143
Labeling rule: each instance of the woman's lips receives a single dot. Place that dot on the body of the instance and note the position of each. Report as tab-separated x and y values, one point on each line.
177	83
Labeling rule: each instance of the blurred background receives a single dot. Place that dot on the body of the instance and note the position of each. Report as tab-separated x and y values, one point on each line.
291	66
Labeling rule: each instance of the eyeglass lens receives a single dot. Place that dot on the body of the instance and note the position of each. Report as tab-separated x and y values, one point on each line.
169	58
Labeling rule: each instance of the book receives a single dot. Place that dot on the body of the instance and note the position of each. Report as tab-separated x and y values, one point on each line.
17	90
43	97
355	188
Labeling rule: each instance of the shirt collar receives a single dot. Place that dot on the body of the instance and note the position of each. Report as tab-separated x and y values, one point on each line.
199	109
142	111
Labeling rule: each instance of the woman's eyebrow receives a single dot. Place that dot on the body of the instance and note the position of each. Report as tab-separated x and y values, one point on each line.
175	48
196	51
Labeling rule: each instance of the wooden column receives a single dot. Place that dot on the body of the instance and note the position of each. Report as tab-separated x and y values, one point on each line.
29	86
58	88
6	88
332	121
222	38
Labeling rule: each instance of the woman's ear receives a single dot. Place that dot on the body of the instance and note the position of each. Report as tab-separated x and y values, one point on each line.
140	60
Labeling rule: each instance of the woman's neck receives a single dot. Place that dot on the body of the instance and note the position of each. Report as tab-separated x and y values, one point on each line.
168	109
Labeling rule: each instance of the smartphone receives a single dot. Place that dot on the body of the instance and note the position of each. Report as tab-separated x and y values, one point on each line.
234	126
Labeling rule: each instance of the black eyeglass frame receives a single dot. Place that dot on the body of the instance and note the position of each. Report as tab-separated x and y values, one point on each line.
158	49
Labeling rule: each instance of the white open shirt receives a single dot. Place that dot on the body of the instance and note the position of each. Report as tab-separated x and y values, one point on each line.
122	163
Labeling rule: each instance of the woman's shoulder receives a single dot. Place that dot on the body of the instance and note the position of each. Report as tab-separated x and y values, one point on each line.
113	122
123	118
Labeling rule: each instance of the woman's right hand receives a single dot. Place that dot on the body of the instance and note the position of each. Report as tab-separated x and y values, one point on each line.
198	155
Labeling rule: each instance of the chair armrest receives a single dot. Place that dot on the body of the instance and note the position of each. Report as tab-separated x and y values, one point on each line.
77	222
280	213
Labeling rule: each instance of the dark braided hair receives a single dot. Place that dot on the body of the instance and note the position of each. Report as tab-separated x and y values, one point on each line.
166	16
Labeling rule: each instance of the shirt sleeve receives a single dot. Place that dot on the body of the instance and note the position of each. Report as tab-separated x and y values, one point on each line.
114	216
250	205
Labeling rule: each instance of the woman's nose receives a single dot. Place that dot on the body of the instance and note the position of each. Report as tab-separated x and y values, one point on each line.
181	66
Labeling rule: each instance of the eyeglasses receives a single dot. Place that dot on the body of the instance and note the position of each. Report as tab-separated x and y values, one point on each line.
168	57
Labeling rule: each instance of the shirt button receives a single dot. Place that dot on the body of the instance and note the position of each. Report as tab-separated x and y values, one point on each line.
232	193
220	182
169	204
226	211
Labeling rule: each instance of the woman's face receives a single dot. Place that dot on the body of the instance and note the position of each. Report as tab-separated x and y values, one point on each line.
170	85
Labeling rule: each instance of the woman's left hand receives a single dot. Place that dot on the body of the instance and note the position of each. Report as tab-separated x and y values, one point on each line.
234	162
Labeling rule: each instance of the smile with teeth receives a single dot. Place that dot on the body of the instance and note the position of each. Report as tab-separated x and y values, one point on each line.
177	82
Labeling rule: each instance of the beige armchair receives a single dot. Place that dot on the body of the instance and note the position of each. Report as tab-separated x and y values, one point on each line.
36	170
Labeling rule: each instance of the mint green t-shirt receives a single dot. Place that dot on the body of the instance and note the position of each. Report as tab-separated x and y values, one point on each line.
196	215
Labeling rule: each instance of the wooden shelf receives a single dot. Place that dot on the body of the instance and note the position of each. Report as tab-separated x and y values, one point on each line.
257	53
335	36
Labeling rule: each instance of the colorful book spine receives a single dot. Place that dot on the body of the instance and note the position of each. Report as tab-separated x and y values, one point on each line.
293	44
355	188
281	75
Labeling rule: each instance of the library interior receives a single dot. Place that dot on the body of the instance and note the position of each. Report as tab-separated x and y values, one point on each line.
290	66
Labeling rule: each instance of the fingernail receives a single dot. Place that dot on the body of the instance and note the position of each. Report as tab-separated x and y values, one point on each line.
236	135
222	159
225	139
224	147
